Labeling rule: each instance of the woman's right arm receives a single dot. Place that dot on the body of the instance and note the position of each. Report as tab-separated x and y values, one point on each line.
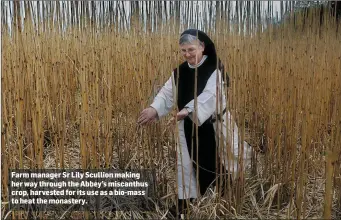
163	102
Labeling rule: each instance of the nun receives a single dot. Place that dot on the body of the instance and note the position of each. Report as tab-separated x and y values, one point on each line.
202	118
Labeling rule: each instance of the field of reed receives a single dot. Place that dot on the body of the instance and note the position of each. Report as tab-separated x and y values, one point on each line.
71	99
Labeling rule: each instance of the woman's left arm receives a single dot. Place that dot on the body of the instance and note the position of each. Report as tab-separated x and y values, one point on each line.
206	100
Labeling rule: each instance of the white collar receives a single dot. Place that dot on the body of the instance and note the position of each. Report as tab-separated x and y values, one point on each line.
199	64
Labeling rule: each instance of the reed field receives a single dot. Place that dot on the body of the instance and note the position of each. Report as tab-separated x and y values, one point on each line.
71	96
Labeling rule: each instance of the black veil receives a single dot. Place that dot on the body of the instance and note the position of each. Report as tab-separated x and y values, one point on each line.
209	50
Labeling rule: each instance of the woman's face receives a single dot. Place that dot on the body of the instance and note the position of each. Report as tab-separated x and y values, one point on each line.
192	52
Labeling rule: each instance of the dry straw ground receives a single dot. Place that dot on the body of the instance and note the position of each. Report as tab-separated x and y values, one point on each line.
71	100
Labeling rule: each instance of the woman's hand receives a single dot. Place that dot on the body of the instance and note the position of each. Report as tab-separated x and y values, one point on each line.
147	116
179	116
182	114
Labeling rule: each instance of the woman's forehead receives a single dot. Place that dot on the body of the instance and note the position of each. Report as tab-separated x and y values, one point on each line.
192	44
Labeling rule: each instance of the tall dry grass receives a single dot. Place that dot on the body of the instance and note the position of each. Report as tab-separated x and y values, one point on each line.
71	100
287	96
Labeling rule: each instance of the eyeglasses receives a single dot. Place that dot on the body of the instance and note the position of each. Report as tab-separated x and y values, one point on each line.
189	50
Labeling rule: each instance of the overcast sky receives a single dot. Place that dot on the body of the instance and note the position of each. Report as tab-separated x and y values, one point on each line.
200	8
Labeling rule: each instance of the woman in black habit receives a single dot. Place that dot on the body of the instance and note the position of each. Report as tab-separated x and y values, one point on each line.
199	52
